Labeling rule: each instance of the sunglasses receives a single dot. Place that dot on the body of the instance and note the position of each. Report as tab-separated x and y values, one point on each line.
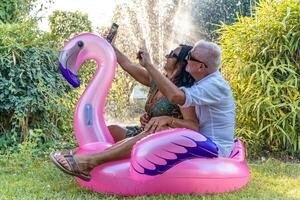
172	54
190	58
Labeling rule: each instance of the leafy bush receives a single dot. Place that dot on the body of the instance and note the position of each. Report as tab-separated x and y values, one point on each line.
261	57
32	92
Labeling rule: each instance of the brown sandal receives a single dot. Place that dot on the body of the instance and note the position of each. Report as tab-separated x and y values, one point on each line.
74	170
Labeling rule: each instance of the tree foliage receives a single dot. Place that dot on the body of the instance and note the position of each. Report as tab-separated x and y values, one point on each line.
64	25
13	11
261	59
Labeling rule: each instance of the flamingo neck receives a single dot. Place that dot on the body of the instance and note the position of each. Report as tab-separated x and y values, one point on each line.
89	123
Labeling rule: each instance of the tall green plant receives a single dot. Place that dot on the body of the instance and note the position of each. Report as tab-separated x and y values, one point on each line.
261	57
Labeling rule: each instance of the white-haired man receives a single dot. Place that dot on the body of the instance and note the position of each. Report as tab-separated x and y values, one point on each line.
211	95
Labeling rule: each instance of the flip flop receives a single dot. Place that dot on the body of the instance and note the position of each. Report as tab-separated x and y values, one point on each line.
74	169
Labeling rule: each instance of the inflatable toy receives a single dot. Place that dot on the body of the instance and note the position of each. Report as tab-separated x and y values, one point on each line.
174	161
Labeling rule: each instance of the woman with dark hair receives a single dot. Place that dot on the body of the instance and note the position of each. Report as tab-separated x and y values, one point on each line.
159	109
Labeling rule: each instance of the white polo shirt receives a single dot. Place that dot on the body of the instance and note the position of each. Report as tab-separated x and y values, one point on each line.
215	109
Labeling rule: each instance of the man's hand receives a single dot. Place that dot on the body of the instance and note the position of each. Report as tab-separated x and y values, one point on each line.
158	123
144	58
144	119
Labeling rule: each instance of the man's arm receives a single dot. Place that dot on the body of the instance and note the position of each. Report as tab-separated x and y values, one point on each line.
165	86
137	72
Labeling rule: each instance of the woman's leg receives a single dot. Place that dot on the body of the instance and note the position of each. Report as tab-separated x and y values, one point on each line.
117	132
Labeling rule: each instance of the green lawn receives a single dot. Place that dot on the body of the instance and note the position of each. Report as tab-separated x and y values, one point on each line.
37	178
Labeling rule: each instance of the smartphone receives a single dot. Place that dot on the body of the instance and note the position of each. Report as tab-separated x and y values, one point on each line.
112	32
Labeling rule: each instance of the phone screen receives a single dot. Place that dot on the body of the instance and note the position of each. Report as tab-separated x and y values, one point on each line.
112	32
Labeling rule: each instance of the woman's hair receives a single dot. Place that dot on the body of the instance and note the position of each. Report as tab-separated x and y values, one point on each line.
183	78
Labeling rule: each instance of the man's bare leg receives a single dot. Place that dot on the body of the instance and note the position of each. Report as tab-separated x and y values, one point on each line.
117	151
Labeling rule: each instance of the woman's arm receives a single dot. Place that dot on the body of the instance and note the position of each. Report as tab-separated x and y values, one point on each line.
137	72
189	121
165	86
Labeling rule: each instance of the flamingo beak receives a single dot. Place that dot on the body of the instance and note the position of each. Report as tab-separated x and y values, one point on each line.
67	60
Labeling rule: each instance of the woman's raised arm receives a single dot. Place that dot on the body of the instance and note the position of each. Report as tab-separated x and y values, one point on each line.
135	70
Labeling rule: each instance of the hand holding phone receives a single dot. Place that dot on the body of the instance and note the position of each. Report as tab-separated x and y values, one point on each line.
112	32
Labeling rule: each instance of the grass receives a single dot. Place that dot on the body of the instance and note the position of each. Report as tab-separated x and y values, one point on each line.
37	178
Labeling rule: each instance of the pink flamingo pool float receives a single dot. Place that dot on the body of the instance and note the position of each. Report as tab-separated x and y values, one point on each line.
174	161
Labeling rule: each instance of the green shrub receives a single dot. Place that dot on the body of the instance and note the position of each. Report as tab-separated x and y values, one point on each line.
261	57
33	94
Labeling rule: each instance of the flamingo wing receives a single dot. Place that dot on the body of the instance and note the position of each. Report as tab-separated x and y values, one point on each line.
161	151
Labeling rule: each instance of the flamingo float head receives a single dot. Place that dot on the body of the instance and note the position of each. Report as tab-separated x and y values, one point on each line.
67	61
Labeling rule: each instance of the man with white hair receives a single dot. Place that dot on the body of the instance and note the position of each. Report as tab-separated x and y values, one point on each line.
210	95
